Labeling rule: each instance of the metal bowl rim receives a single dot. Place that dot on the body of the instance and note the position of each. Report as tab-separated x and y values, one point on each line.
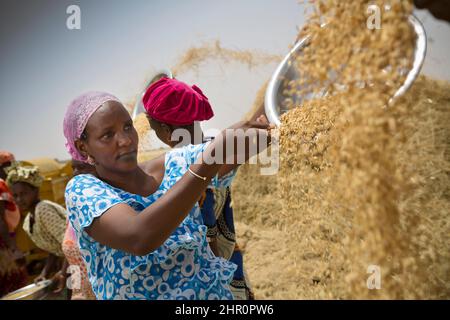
270	104
45	284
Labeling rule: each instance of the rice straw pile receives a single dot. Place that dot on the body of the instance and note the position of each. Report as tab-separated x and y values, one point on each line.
362	182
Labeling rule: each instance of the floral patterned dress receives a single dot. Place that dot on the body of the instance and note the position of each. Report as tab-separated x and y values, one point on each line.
184	267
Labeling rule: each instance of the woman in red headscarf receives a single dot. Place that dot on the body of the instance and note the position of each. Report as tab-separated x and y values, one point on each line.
12	274
172	105
12	214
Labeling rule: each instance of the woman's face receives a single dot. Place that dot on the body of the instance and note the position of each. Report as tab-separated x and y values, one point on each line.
163	131
112	141
25	195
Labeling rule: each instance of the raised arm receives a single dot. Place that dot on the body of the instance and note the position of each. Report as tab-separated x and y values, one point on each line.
121	227
260	129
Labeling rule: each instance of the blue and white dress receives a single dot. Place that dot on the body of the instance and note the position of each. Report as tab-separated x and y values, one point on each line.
184	267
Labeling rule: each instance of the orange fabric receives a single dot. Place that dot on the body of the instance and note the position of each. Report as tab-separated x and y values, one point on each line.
73	256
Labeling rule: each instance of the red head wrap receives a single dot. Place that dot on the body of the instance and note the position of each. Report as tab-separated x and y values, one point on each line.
174	102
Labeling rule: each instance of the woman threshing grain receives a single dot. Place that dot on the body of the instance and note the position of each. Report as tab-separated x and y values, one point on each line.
172	105
140	233
45	221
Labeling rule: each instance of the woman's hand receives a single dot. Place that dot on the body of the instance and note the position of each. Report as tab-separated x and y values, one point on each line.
60	280
50	262
440	9
248	138
261	122
263	119
41	277
17	254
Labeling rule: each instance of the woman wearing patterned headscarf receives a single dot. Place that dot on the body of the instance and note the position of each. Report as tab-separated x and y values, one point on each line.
140	232
12	274
45	222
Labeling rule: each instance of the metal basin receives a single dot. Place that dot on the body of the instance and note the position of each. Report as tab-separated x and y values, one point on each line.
31	292
286	71
139	107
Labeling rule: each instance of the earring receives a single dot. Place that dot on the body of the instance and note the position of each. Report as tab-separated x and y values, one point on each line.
90	160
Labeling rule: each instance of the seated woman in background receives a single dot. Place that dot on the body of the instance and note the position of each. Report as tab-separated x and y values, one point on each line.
13	273
140	233
171	105
12	213
80	286
45	222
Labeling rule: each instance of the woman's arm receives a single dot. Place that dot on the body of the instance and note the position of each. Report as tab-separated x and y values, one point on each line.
5	235
60	277
49	263
120	227
214	247
253	143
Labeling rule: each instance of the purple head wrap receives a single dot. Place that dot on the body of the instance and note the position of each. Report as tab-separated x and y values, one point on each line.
77	116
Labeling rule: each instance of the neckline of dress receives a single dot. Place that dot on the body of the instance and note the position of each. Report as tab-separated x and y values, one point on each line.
134	194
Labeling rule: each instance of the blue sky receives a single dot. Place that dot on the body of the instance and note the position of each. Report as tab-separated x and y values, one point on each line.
43	65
